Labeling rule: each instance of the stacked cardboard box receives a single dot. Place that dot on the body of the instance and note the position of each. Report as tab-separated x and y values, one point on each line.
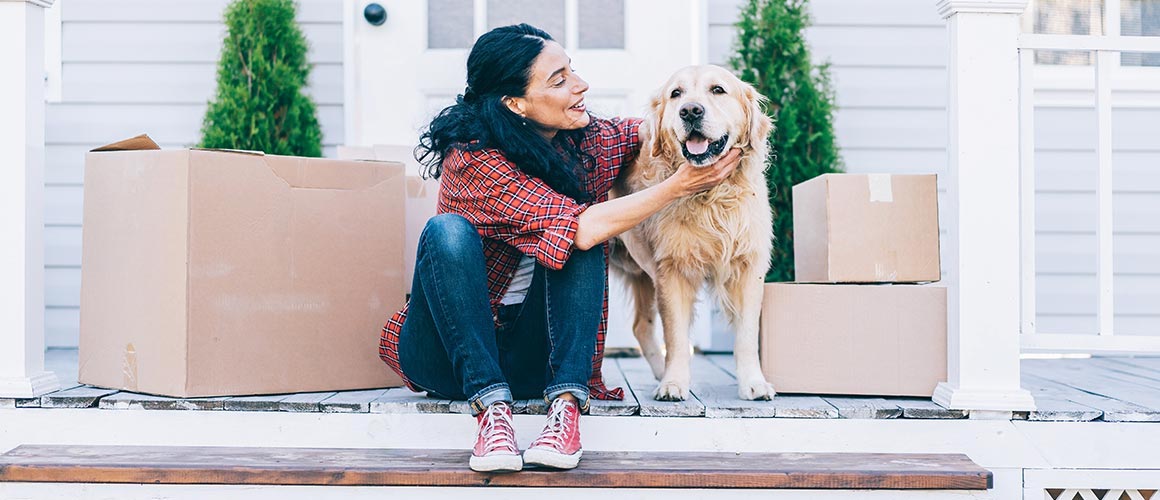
215	273
856	321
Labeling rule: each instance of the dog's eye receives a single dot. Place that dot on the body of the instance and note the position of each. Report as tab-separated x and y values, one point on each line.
675	94
717	89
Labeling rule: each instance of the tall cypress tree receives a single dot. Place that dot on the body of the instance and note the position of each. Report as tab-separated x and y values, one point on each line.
259	103
771	54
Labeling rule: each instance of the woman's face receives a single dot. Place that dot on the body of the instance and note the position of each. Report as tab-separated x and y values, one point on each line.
554	99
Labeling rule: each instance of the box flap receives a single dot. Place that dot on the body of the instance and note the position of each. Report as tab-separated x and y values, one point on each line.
141	142
324	173
238	151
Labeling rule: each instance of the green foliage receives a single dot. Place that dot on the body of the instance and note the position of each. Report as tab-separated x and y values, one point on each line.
771	54
259	103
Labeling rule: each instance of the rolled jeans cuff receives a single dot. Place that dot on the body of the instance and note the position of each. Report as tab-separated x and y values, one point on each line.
578	390
488	395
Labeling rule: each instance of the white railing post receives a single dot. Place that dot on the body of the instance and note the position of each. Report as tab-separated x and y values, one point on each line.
983	244
22	200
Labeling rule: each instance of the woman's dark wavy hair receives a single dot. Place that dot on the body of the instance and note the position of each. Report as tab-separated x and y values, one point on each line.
500	64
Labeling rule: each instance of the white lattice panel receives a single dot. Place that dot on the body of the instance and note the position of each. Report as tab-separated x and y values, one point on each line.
1094	494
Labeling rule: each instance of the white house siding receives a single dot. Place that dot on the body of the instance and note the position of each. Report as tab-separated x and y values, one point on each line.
889	61
143	66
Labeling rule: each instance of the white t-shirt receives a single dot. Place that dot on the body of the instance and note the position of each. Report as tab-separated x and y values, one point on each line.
522	280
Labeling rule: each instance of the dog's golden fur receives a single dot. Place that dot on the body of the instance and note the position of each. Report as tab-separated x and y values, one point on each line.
721	236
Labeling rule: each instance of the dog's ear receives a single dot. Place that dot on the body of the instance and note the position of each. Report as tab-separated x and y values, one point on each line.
656	116
760	125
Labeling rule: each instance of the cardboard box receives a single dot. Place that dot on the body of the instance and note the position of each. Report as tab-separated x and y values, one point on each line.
213	273
858	228
884	340
422	195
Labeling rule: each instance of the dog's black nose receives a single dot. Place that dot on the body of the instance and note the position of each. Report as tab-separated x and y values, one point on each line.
692	112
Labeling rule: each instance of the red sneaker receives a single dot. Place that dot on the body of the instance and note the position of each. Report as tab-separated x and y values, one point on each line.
495	441
559	444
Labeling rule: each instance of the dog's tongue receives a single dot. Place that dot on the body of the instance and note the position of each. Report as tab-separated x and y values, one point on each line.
697	145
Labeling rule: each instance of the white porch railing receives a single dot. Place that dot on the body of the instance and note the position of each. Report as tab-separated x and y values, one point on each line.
1107	48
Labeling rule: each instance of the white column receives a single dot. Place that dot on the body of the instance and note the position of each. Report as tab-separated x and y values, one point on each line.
22	200
983	253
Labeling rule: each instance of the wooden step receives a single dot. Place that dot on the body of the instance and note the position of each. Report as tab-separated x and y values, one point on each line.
419	467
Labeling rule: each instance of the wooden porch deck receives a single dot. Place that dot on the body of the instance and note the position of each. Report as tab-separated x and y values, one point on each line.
1112	389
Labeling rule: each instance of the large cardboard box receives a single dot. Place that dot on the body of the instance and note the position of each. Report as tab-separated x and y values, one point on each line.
866	228
212	273
885	340
422	195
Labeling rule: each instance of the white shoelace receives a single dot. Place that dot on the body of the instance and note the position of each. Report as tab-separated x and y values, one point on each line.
557	424
497	427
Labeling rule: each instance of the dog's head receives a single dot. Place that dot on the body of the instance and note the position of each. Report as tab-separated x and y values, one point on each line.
702	112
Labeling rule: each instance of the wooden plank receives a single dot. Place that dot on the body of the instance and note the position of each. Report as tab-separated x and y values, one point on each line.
254	403
306	402
530	407
135	401
410	467
1113	409
1082	375
1121	365
403	400
782	405
799	406
1150	363
19	402
854	407
36	401
1059	409
351	401
926	409
717	390
724	362
460	407
84	396
642	383
613	377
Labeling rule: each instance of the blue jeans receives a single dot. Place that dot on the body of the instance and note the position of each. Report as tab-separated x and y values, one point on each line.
450	346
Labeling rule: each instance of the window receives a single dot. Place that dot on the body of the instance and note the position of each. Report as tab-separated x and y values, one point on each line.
601	24
450	24
576	24
1086	17
1140	18
547	15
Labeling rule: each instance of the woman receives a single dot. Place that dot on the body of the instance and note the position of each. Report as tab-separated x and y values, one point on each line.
509	296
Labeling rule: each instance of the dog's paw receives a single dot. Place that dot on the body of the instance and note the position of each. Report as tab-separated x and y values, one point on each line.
671	390
755	388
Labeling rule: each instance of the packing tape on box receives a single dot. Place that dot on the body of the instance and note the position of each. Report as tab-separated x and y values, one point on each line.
880	188
129	368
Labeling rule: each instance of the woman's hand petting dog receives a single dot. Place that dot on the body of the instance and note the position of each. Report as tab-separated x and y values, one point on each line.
692	180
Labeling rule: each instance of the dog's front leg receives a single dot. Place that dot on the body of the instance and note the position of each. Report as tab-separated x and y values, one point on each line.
746	293
676	295
643	325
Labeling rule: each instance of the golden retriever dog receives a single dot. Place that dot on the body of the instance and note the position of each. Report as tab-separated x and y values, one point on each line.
721	236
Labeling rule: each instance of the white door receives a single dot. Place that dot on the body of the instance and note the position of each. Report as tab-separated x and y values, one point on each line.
399	74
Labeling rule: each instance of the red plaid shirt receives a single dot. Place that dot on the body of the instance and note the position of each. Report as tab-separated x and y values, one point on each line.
520	215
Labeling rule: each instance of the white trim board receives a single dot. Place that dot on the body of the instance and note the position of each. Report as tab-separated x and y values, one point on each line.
990	443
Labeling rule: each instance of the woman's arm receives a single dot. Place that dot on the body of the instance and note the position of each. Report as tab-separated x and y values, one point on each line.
602	221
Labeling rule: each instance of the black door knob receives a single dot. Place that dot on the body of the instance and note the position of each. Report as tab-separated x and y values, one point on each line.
375	14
